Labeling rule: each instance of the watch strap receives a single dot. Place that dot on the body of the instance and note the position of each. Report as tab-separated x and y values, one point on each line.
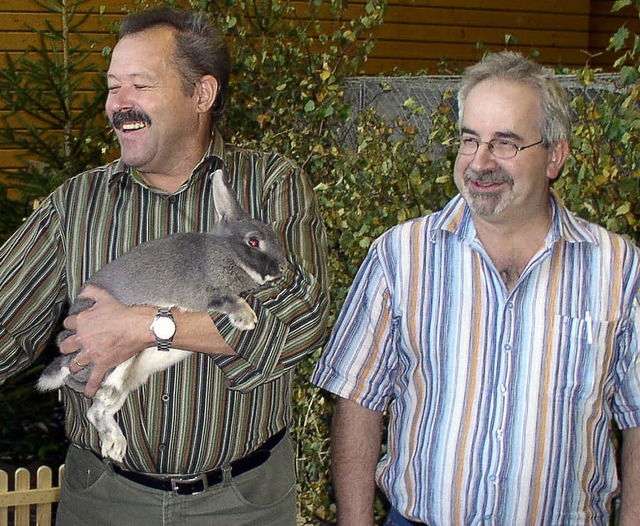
164	344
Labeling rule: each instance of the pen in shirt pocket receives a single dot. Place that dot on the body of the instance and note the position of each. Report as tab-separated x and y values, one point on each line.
589	323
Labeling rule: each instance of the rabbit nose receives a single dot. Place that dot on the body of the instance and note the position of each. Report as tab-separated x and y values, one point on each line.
278	269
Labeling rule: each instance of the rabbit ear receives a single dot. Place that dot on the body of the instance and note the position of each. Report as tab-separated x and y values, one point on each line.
226	203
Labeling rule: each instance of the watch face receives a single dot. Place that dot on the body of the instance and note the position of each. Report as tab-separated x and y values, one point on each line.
164	328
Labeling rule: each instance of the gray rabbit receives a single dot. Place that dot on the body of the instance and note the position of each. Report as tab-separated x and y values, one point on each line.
189	271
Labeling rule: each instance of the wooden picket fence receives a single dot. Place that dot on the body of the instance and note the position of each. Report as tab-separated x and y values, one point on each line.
24	505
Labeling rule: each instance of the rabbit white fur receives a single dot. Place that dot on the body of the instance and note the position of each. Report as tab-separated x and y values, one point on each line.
189	271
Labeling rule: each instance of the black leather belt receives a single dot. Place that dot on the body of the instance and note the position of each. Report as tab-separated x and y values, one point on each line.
199	483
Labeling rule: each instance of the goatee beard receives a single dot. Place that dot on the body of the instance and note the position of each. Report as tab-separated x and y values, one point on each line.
487	203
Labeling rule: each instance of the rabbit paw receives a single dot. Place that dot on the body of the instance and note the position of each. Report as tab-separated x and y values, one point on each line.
111	397
244	319
114	445
112	440
54	376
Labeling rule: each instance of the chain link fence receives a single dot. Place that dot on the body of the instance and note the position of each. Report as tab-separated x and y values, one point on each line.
389	95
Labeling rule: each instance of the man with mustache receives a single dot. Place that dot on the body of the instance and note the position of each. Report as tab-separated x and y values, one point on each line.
130	120
501	334
207	439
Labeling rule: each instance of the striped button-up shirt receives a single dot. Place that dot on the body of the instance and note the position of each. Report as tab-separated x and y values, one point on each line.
209	409
500	403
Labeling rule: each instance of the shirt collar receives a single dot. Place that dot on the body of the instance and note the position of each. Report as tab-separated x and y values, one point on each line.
456	218
212	159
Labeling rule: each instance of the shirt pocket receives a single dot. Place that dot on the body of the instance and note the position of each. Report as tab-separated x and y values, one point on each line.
583	349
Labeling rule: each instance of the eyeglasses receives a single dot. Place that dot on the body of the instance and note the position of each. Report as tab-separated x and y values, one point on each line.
500	148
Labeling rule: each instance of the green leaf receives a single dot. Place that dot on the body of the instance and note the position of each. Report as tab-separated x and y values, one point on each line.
629	75
623	209
620	4
619	38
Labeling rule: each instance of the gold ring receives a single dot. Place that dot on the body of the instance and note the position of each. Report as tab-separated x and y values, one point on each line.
82	366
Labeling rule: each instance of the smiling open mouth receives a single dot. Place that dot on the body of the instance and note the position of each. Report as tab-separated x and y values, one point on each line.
487	184
486	180
130	120
129	126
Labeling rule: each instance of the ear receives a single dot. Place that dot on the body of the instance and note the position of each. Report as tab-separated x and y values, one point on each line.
558	154
206	93
225	201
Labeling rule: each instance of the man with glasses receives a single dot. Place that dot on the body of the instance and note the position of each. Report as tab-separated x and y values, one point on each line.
501	335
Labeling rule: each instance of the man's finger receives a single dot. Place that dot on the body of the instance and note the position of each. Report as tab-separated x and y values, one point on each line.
70	322
69	345
93	383
96	293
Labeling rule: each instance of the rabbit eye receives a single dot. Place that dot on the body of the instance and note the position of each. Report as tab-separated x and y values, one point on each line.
254	242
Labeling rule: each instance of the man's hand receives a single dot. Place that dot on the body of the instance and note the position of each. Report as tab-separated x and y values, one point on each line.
106	335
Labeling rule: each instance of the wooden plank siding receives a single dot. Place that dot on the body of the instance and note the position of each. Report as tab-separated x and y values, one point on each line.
417	36
603	24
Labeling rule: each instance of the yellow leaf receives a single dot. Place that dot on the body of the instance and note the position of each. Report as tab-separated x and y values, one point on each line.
623	209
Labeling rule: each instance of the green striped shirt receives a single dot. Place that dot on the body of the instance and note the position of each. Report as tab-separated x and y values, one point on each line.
209	409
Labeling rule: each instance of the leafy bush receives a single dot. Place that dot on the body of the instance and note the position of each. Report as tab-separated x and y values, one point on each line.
603	172
32	424
55	106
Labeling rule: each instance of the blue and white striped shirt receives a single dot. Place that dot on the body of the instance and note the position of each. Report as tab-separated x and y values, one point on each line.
500	402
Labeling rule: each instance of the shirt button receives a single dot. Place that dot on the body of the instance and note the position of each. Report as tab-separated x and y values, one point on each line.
165	397
162	447
507	347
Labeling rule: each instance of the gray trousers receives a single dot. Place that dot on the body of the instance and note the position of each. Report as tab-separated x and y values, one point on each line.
93	495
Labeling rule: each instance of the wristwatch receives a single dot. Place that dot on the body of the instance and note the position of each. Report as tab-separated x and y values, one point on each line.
163	328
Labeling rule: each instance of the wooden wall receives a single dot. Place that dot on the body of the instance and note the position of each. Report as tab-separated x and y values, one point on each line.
417	36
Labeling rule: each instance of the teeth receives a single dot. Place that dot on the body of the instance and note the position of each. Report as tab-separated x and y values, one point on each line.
133	126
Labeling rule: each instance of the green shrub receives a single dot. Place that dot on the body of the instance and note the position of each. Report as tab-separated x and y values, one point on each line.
602	176
55	107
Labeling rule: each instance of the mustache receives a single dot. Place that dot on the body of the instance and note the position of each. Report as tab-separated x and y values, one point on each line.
120	118
487	177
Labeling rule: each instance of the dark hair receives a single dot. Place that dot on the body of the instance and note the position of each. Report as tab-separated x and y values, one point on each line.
201	49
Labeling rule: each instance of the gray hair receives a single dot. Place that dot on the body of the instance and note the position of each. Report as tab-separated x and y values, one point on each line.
201	49
555	122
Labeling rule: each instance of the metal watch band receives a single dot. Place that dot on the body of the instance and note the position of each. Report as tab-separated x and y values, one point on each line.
163	344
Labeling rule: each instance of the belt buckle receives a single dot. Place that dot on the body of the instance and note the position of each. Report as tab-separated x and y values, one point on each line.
177	482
